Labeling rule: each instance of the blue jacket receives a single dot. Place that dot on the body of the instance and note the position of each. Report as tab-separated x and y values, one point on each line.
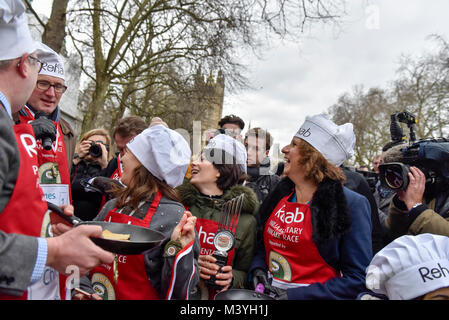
344	245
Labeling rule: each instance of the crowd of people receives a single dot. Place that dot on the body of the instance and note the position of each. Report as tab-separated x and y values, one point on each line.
307	228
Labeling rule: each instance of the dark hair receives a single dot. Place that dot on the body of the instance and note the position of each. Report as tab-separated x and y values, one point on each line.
141	187
261	133
232	119
231	173
129	126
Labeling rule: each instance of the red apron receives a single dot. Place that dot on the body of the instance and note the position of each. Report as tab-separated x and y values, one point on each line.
116	176
54	177
206	232
292	257
132	283
53	163
24	213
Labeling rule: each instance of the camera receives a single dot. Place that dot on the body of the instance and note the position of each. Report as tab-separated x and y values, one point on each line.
95	150
431	156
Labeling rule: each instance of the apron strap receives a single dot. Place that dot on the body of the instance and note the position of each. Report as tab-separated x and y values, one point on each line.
153	207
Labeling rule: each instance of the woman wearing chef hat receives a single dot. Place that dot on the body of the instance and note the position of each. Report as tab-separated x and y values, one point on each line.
315	236
215	178
154	164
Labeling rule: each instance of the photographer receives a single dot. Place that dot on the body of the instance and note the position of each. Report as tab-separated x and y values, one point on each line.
92	155
423	206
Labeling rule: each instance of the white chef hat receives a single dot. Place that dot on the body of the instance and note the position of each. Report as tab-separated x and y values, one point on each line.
14	31
336	143
410	267
53	63
163	152
231	148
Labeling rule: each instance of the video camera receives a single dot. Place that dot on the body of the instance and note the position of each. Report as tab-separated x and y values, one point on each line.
431	156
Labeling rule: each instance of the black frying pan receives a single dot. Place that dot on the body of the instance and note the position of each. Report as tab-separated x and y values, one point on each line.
241	294
141	239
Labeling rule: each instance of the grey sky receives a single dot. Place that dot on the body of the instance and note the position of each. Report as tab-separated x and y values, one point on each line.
295	80
299	79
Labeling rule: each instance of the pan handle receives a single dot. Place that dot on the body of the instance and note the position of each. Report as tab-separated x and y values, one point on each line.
70	219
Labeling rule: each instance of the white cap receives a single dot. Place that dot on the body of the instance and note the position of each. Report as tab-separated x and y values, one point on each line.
410	267
53	63
335	143
231	147
15	34
163	152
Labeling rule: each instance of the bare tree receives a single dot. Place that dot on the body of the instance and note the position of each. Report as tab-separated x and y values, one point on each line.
126	46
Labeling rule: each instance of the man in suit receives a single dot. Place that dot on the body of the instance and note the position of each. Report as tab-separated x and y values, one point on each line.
23	254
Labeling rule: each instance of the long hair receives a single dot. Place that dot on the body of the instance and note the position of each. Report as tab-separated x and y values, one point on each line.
315	166
142	186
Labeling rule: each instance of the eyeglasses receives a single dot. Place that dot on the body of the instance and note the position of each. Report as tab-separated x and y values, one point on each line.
45	85
39	63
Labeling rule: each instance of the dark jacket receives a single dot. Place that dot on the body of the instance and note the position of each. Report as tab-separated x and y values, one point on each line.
206	207
341	225
86	204
356	182
262	181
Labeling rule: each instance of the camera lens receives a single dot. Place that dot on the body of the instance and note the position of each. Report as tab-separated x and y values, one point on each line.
393	178
95	150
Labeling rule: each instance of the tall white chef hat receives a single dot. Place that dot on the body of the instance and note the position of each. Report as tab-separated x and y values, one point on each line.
14	31
53	63
231	148
163	152
336	143
410	267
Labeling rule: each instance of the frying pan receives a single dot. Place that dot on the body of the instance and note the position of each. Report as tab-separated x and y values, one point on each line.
241	294
141	239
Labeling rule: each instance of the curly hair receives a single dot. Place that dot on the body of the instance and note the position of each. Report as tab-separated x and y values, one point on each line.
315	167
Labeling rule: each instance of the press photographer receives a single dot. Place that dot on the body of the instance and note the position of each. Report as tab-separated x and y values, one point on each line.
417	171
92	155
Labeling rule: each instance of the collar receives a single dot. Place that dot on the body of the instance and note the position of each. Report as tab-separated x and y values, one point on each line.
54	116
5	103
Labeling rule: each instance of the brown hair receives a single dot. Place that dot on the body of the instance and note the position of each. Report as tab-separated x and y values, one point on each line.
129	126
262	134
141	187
232	119
315	166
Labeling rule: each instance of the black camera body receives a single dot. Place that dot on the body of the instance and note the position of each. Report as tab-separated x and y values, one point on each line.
431	156
95	150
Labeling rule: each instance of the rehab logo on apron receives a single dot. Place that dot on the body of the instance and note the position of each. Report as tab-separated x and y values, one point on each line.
292	256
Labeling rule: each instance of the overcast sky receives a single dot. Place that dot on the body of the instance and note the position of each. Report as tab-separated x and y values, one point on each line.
299	79
296	80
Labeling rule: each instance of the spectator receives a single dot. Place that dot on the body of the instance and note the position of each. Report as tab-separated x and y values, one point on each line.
377	160
258	143
314	241
93	156
233	126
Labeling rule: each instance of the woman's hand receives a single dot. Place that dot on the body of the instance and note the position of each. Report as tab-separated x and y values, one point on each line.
208	267
185	230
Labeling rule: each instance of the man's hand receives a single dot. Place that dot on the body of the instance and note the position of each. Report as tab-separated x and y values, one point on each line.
44	128
74	247
415	189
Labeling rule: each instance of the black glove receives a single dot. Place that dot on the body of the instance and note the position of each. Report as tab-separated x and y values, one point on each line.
44	129
259	276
